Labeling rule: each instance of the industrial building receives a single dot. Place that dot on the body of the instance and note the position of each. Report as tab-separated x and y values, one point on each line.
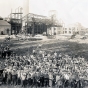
74	28
15	19
33	24
54	30
37	24
5	27
29	23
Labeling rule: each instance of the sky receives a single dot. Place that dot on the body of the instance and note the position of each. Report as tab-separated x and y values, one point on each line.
70	11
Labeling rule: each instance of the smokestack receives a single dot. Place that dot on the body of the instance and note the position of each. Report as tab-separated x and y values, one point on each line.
25	11
25	7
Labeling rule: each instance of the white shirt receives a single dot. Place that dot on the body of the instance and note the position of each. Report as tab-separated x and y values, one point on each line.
33	51
55	54
50	76
13	72
57	77
23	76
28	76
48	55
8	70
40	52
66	76
43	55
19	73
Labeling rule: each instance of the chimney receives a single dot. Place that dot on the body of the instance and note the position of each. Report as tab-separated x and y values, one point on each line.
25	7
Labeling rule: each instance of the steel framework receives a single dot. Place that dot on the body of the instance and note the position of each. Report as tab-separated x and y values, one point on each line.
30	23
36	24
15	19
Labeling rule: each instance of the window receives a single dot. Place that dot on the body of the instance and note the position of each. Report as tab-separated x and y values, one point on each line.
65	31
54	28
54	31
2	33
7	31
69	32
69	28
58	32
73	32
65	28
58	28
73	28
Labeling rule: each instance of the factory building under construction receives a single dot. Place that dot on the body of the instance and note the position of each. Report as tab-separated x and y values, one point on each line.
23	21
37	24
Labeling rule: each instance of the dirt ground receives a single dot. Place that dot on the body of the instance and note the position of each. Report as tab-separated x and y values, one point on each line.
69	47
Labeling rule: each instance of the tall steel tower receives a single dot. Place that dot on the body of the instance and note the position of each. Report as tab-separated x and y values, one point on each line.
25	11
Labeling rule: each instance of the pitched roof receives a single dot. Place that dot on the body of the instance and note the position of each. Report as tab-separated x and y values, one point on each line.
4	23
1	18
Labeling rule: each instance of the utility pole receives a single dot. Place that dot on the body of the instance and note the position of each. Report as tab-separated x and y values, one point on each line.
33	26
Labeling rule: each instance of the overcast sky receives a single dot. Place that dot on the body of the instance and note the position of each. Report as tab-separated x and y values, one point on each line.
70	11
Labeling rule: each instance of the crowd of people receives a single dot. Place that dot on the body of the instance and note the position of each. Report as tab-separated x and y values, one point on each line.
5	51
45	69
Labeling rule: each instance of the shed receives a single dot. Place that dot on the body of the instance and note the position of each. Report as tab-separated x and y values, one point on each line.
5	27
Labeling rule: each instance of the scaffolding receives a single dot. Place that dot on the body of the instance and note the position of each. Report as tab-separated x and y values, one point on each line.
30	23
15	19
36	24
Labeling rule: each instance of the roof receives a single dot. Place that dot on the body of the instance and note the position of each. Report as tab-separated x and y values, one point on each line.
56	25
4	23
74	25
1	18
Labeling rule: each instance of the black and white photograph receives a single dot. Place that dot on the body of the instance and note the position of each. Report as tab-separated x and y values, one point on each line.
43	43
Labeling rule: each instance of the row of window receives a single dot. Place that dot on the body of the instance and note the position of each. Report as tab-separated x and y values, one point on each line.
70	29
65	32
53	28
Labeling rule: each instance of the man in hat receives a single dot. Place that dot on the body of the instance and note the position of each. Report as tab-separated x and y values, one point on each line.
23	78
29	81
9	78
58	80
37	78
42	79
19	76
55	54
60	56
14	76
46	79
50	79
4	52
4	76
